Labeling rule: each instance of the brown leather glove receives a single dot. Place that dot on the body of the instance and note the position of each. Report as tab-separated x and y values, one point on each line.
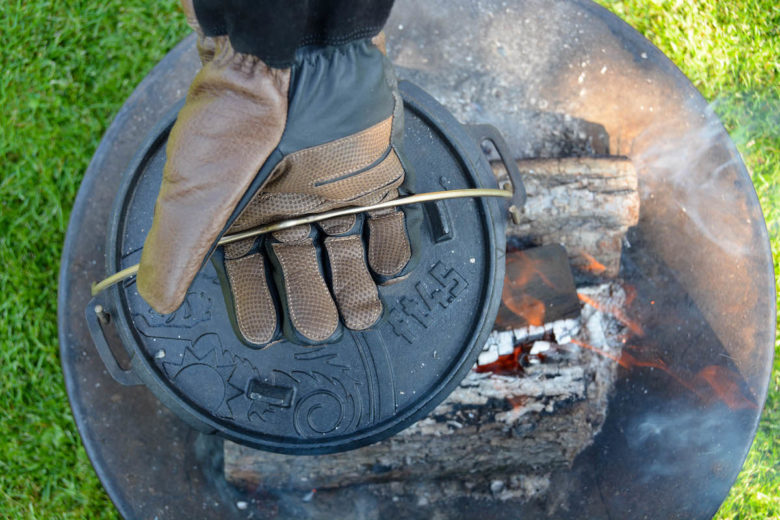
254	145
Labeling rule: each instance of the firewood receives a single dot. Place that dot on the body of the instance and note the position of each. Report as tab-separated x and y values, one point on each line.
584	203
498	425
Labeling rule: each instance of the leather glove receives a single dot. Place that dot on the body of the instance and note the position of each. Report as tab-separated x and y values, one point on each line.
254	145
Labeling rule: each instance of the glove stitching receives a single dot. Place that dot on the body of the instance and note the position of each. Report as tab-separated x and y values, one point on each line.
384	127
391	162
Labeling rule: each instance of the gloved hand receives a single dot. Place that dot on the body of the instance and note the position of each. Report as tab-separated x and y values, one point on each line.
254	145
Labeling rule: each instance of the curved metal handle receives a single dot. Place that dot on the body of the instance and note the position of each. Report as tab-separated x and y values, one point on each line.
318	217
482	133
94	314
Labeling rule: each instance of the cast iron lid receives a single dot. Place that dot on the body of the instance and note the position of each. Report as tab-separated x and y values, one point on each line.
302	400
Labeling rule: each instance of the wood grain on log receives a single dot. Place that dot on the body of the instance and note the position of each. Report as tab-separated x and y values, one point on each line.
584	203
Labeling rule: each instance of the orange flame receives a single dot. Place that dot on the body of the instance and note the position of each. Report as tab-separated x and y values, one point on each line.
630	291
625	359
599	351
525	306
628	361
712	382
521	269
593	265
725	383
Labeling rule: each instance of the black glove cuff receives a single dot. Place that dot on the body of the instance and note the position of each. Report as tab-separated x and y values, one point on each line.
274	29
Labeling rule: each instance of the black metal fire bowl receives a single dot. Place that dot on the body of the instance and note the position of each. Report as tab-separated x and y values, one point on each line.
700	253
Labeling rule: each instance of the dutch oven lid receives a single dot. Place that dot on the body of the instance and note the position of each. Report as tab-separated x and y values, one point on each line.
303	400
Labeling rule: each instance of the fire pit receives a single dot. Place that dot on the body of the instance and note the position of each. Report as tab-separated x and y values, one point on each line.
654	421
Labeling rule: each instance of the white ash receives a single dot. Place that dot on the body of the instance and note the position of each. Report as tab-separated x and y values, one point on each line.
602	333
540	347
501	343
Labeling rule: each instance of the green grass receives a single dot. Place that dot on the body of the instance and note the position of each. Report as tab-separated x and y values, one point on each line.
66	69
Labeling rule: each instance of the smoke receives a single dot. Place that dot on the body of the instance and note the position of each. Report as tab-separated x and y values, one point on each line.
692	443
692	161
693	166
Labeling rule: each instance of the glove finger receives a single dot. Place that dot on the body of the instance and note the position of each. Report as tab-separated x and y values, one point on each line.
253	306
353	287
389	250
310	315
232	121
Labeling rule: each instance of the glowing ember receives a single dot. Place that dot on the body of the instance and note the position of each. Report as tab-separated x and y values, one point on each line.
712	382
510	364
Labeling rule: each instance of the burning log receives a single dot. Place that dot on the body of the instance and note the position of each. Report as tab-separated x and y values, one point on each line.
536	399
585	203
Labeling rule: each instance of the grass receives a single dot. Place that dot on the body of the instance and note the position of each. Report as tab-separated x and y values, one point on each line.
66	69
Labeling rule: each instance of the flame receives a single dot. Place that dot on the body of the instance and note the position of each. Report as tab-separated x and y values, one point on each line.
525	306
512	364
618	313
712	382
723	381
521	269
625	359
598	351
520	272
726	385
593	265
628	361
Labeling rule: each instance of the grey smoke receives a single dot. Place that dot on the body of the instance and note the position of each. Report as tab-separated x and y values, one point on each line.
693	443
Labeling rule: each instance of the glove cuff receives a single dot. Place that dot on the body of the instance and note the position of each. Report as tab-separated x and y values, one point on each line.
275	29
